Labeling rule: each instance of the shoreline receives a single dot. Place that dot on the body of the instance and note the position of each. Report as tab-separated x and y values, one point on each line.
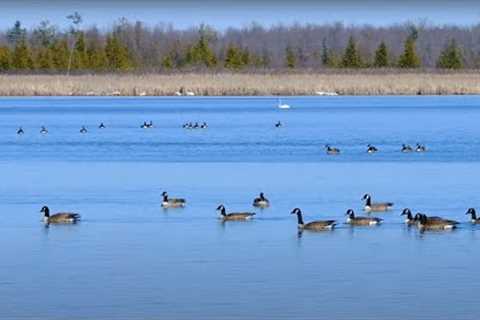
227	84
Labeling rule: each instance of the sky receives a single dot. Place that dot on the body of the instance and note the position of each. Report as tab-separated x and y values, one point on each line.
224	13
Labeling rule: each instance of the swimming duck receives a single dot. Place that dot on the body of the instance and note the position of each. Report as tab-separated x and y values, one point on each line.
83	130
420	148
375	207
43	130
371	149
234	216
318	225
172	203
278	124
331	151
20	131
426	223
361	221
59	218
406	148
261	201
101	126
473	214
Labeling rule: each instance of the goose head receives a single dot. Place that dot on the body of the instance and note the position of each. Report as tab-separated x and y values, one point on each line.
296	211
45	211
407	212
220	207
350	213
472	212
366	196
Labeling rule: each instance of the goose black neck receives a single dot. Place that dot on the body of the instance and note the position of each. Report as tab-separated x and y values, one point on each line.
368	201
165	197
299	218
474	215
223	211
46	212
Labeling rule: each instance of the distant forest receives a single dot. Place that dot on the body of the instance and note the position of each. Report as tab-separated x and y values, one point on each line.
135	47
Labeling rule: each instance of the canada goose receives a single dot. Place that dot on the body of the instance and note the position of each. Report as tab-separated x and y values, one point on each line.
278	124
261	201
58	218
317	225
204	125
473	214
144	125
409	219
361	221
371	149
234	216
424	223
375	207
101	126
83	130
196	125
150	124
406	148
331	151
43	130
172	203
420	148
20	131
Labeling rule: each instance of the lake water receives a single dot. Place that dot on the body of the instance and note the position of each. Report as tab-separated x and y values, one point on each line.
129	259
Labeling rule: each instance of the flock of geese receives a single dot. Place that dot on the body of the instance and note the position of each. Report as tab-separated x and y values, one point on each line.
420	220
332	151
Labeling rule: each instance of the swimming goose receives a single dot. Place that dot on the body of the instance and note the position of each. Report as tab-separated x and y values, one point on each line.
420	148
83	130
278	124
375	206
144	125
318	225
409	219
371	149
172	203
261	201
59	218
361	221
473	214
204	125
426	223
406	148
20	131
331	151
101	126
234	216
43	130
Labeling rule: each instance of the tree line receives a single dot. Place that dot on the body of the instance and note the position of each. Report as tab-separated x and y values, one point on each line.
128	47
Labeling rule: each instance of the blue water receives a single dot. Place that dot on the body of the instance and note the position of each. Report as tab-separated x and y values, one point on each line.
129	259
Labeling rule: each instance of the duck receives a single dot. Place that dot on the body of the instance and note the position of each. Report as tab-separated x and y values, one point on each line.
318	225
261	201
101	126
420	148
406	148
361	221
83	130
234	216
427	223
43	130
20	131
59	218
473	215
173	202
375	206
331	151
278	124
371	149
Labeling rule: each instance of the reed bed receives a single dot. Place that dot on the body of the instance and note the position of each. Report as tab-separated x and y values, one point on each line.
222	84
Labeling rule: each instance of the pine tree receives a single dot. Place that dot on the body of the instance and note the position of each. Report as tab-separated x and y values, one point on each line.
22	59
381	56
60	55
80	57
4	58
118	57
290	59
16	34
201	54
167	62
97	59
44	60
450	57
351	57
233	58
409	58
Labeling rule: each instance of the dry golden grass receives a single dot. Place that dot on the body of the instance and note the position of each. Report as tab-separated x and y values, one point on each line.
389	83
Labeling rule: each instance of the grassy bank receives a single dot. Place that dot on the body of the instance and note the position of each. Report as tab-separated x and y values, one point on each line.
242	84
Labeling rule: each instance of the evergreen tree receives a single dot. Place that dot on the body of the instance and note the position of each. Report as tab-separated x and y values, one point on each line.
118	57
451	57
80	57
4	58
167	62
16	34
60	55
409	58
201	54
351	57
44	60
97	59
290	59
245	57
22	59
233	58
381	56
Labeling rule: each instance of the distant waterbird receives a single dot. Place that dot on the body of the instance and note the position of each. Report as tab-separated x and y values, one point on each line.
420	148
473	216
234	216
371	149
172	202
406	148
317	225
375	206
59	218
278	124
20	131
261	201
281	105
101	126
83	130
331	150
43	130
361	221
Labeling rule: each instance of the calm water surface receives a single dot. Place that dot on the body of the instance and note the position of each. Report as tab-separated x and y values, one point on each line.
129	259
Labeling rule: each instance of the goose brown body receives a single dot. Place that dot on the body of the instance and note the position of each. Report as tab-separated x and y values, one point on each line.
427	223
361	221
234	216
375	206
172	202
331	150
318	225
261	201
59	218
